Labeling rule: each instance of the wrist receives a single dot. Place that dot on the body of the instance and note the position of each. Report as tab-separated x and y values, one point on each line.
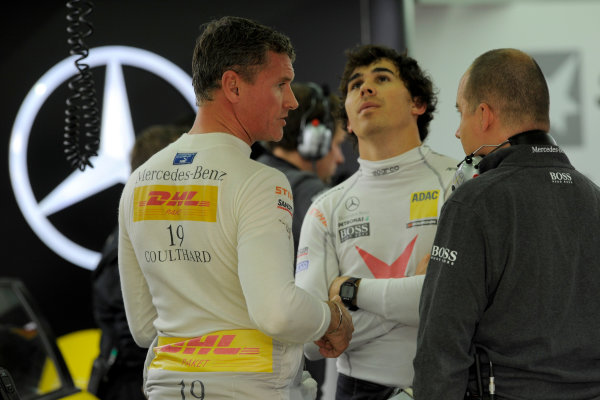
336	317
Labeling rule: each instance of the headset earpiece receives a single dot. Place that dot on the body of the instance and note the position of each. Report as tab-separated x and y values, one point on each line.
314	141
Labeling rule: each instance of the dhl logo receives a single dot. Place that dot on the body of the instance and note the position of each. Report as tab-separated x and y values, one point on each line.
246	350
216	344
164	202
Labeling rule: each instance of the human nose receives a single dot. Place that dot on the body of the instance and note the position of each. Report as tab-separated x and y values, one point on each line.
457	133
367	89
291	103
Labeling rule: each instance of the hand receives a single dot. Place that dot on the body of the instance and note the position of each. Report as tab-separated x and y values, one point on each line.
423	264
334	289
337	338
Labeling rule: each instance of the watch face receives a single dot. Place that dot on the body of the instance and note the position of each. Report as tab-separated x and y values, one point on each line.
347	291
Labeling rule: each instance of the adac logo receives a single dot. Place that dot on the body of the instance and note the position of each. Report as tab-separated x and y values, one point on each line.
117	136
423	208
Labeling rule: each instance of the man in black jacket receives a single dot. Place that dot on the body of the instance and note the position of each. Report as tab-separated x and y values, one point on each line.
513	279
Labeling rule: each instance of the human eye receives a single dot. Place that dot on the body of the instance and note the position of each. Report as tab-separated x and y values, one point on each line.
383	78
354	84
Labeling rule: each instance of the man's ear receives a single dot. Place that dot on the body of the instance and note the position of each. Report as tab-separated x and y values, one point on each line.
487	116
230	83
348	127
419	107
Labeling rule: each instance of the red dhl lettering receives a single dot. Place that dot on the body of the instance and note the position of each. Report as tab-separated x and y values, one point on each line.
194	363
166	202
244	350
283	191
206	345
159	198
319	215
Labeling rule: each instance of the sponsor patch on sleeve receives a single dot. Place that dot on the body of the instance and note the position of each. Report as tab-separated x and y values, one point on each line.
301	266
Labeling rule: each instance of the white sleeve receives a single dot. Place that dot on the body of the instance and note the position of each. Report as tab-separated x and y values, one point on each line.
276	305
139	309
395	299
316	263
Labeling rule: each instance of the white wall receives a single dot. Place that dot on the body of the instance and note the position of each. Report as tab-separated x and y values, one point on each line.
561	35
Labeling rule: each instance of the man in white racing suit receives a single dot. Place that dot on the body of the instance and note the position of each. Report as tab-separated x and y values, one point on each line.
205	239
367	235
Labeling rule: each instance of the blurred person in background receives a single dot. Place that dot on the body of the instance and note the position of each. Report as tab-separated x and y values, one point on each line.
117	372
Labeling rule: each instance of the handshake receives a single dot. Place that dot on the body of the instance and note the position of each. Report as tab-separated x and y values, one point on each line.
338	335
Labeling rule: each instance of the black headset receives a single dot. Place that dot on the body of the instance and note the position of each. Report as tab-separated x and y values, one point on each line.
314	141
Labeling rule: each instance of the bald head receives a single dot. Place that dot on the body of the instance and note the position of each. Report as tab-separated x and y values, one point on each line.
513	85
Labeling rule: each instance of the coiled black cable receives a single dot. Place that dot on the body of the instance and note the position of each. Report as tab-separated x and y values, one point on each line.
82	106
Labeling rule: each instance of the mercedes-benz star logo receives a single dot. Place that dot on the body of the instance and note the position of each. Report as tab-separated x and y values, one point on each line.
352	203
117	136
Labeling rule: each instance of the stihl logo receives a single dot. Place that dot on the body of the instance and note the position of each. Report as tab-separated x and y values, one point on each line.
283	191
215	344
159	198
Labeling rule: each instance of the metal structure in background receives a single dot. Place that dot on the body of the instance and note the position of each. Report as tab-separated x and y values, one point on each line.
388	22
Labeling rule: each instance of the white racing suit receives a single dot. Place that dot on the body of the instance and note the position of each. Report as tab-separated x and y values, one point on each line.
377	225
205	246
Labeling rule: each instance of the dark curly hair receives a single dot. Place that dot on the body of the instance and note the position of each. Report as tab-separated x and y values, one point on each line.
233	43
416	81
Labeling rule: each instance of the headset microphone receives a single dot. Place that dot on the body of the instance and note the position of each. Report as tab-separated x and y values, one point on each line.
469	167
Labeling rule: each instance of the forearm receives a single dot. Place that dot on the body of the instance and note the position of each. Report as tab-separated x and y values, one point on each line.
275	304
137	299
394	299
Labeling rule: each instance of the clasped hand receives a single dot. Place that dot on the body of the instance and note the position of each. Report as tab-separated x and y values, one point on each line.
337	337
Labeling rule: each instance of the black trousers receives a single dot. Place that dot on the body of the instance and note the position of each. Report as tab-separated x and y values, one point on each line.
349	388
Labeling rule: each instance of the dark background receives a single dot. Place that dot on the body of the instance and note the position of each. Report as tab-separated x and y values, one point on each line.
35	39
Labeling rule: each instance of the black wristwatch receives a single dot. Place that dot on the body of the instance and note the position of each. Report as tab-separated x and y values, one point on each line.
348	292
